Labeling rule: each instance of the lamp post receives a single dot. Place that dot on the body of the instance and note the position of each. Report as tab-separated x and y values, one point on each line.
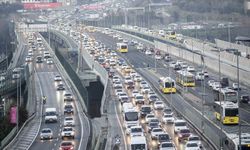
221	119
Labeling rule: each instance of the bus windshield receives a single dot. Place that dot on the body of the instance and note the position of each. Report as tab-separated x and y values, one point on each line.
138	147
231	112
123	46
231	96
169	84
190	79
131	116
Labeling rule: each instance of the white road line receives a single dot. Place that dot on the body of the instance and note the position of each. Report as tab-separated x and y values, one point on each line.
124	137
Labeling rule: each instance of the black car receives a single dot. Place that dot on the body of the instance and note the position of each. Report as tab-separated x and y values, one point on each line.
60	87
245	98
145	110
39	59
164	137
68	109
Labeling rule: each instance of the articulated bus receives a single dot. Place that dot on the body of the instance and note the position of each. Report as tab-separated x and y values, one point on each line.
122	47
167	85
185	78
232	142
226	94
227	112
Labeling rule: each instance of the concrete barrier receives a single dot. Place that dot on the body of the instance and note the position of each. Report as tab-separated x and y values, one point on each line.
226	45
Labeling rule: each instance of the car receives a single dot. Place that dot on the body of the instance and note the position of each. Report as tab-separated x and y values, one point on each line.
163	137
139	99
216	86
122	94
69	121
46	133
195	138
143	84
137	78
167	58
134	93
68	132
192	146
158	57
168	118
167	146
68	108
124	99
245	98
28	59
49	61
149	117
127	69
168	111
58	78
148	52
67	145
199	76
190	69
136	131
68	97
210	83
206	74
156	132
145	89
30	53
116	79
158	105
117	85
60	87
172	64
118	92
152	125
145	109
179	124
130	85
235	86
183	134
152	98
39	59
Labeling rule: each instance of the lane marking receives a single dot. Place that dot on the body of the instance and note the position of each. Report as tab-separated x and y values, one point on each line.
124	137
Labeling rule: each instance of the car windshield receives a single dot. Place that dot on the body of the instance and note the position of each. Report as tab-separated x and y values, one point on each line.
157	130
167	145
67	129
164	137
66	144
46	131
139	97
168	116
154	124
68	106
180	123
136	130
192	145
195	138
68	119
185	131
146	109
153	97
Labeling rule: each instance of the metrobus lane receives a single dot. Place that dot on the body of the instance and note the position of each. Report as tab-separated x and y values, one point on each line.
167	128
55	100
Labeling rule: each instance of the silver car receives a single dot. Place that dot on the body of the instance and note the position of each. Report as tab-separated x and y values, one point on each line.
46	134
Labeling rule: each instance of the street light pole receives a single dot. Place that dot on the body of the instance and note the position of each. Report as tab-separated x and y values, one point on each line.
238	100
221	128
17	109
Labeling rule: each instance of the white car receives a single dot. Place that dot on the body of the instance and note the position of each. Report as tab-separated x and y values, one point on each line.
172	64
116	79
68	132
195	138
46	133
145	89
155	132
139	99
28	59
117	84
137	78
158	57
30	53
167	146
210	83
118	92
199	76
149	117
122	94
167	118
50	61
68	97
236	86
124	99
158	105
148	52
143	84
58	78
127	79
192	146
216	86
190	69
179	124
69	121
134	93
136	131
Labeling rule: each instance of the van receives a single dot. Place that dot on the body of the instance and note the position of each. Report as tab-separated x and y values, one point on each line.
50	115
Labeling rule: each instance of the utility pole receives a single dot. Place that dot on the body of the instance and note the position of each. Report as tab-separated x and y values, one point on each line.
221	119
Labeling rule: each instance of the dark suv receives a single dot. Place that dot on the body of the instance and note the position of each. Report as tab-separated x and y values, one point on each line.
68	109
145	110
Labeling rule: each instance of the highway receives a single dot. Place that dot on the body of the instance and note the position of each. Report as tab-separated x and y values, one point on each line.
140	61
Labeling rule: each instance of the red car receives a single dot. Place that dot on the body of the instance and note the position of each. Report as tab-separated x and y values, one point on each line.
67	145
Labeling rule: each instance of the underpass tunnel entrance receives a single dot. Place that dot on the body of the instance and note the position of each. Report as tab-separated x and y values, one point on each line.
95	92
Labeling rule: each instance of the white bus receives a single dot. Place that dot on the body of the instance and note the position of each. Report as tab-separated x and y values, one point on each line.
225	94
131	117
232	142
138	143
